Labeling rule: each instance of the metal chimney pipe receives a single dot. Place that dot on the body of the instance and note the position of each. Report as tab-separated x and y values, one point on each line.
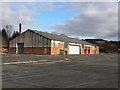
20	28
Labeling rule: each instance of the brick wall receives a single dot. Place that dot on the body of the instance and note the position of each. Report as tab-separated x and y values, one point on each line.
12	50
37	50
82	51
53	51
89	50
4	50
34	50
56	50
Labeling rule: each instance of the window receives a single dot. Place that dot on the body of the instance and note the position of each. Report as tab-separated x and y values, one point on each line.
66	45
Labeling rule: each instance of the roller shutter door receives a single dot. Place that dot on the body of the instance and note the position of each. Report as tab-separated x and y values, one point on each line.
74	49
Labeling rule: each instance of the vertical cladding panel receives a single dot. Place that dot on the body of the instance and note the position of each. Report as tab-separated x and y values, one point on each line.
27	39
13	42
45	42
40	41
33	40
20	38
37	40
49	43
23	38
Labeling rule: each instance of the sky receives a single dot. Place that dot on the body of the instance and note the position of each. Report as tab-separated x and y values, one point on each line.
81	20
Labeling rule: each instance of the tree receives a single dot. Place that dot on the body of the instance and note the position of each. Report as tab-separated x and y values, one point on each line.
15	34
5	39
9	29
4	33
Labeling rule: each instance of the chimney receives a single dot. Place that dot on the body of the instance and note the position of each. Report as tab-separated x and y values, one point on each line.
19	28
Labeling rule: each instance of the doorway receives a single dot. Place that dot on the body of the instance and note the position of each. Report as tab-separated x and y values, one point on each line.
20	48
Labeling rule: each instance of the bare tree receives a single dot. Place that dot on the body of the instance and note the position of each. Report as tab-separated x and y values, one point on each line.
9	30
15	34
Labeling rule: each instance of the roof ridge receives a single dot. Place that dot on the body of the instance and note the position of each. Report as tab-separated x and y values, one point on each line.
61	38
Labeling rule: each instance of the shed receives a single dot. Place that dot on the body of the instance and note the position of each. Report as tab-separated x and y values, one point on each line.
44	43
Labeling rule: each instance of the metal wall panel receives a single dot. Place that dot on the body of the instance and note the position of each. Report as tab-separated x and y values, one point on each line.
30	39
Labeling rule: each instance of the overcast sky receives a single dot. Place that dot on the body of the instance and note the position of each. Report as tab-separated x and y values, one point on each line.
75	19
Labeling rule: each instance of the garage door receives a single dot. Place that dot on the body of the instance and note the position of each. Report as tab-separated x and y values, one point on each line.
74	49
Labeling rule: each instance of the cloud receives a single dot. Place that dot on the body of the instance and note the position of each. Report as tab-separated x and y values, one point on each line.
59	0
99	20
14	13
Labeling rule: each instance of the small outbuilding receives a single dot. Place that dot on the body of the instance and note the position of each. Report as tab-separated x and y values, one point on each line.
44	43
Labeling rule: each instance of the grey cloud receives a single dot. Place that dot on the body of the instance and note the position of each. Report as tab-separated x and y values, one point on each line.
91	20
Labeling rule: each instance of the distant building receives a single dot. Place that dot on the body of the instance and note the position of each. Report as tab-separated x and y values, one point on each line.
43	43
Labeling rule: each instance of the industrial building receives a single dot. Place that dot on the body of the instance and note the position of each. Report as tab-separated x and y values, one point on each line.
43	43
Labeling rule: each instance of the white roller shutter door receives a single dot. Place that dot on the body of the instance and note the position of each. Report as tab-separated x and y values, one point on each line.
74	49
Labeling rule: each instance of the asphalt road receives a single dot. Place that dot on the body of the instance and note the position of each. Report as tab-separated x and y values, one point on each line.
37	71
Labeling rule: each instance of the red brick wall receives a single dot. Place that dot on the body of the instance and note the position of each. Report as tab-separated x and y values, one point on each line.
37	50
12	50
82	51
56	50
52	51
34	50
4	50
61	46
96	51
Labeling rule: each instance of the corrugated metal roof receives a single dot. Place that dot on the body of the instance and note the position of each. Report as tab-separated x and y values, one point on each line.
61	38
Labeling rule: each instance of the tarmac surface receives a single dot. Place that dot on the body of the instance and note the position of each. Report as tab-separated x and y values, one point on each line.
44	71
